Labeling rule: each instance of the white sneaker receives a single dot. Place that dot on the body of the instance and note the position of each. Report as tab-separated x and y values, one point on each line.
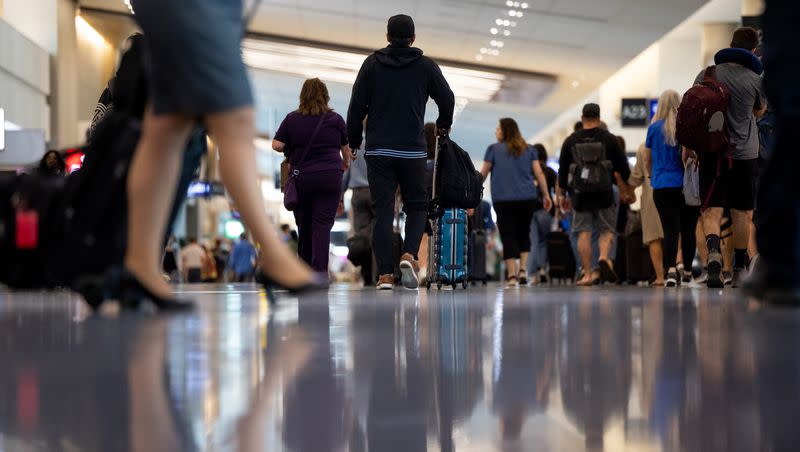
409	268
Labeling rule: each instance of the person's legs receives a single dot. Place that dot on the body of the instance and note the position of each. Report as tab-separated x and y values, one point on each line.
712	218
151	187
383	185
507	225
326	188
669	214
607	225
689	215
585	253
234	132
657	257
415	201
302	216
700	239
524	217
361	204
540	227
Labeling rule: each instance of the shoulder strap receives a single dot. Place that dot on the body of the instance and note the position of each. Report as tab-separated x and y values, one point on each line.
302	157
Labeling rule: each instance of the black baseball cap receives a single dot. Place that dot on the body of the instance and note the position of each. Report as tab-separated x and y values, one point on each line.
401	27
591	111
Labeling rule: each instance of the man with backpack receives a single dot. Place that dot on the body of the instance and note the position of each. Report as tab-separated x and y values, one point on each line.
591	162
725	141
392	89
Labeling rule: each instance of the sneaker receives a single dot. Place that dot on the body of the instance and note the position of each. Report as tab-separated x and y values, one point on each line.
672	279
409	268
385	282
736	280
523	278
512	283
714	281
702	278
727	278
543	278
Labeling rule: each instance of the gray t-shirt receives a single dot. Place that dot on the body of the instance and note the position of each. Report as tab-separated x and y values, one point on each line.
747	94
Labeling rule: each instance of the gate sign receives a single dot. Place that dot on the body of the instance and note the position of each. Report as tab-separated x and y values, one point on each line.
635	112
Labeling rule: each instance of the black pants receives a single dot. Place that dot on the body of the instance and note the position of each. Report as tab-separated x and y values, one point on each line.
385	174
778	228
679	221
194	275
514	224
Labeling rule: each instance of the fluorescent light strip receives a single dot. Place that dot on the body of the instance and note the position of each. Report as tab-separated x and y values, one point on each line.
343	67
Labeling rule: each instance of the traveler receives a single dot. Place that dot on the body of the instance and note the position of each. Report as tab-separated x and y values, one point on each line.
430	161
169	263
242	260
209	271
541	222
392	88
590	161
355	179
722	183
513	165
314	139
663	159
652	233
196	71
52	164
192	258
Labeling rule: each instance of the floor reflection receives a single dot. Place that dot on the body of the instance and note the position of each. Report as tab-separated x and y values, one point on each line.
479	370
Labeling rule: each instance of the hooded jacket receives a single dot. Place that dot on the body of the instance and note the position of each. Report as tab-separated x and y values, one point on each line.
392	90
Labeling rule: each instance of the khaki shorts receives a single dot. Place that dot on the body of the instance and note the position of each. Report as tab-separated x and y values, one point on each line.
604	220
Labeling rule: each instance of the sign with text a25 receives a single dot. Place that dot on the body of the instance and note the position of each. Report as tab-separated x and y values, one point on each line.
635	112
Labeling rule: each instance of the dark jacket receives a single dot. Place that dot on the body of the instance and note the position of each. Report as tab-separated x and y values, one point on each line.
614	153
392	89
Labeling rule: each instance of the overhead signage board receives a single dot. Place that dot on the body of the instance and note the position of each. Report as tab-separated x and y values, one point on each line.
635	112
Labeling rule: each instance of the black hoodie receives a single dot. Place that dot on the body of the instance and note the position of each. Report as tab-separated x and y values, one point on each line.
392	89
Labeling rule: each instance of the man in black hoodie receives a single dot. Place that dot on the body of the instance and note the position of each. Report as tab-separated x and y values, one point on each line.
392	90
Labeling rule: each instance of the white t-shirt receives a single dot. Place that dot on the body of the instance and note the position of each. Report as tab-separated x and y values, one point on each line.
192	256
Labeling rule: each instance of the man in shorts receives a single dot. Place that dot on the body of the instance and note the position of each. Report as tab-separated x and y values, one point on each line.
729	180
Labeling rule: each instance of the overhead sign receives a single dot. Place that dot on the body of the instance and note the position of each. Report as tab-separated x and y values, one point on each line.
635	112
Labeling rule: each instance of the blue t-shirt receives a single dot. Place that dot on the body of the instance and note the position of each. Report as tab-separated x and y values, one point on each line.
512	177
667	163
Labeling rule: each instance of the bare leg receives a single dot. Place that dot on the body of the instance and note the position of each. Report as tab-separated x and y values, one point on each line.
512	268
702	249
523	261
585	253
657	256
727	254
752	246
234	131
712	219
606	239
423	254
151	186
742	221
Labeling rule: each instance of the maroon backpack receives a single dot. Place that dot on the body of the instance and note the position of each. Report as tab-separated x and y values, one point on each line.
702	121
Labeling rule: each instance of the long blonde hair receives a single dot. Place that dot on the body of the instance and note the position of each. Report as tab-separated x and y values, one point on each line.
668	112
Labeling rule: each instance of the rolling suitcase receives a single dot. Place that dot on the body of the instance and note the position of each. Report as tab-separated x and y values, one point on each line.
449	250
562	261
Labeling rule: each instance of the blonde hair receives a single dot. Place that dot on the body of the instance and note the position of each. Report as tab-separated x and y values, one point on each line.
668	112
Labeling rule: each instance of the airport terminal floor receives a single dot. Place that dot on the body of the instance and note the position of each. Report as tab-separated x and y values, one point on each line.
485	369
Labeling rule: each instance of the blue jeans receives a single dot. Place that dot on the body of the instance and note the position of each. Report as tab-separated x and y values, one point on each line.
540	226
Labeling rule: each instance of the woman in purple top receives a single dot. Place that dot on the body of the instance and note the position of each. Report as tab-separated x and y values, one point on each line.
319	182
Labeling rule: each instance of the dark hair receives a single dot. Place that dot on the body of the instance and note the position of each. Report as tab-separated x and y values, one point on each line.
243	236
430	139
578	126
541	152
745	38
622	144
61	164
512	137
192	239
314	98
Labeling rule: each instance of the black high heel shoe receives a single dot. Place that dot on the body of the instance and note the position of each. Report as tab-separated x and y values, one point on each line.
133	294
318	282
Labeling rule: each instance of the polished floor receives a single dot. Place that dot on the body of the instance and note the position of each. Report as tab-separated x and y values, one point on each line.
483	370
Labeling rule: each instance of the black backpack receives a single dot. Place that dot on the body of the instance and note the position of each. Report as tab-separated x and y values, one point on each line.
591	171
458	184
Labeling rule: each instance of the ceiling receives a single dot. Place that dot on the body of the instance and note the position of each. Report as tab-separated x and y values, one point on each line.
578	42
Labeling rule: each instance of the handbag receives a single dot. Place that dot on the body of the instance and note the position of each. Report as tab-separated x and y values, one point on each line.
291	197
691	184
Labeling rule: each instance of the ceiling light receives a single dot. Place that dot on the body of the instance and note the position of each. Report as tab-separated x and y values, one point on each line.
513	24
512	13
484	50
128	4
493	31
506	32
524	6
507	22
516	4
479	57
500	44
499	21
509	3
575	84
519	14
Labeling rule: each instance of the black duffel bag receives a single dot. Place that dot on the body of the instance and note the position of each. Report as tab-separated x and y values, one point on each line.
458	184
